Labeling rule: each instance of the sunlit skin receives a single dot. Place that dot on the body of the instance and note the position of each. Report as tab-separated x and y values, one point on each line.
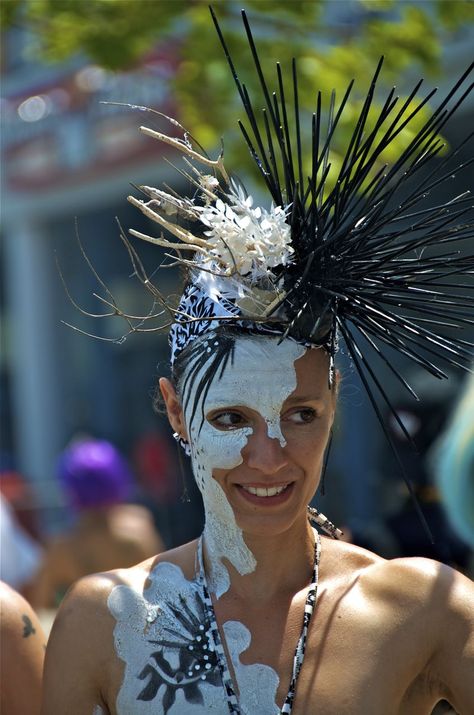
22	644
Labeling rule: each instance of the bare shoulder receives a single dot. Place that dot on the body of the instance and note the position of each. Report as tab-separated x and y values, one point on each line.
417	591
22	644
84	615
18	619
83	626
435	603
420	581
404	580
82	665
81	668
10	601
418	610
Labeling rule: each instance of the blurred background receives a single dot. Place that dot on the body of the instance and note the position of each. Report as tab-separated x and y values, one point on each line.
68	163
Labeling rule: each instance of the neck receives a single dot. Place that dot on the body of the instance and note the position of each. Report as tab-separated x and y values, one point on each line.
95	516
282	563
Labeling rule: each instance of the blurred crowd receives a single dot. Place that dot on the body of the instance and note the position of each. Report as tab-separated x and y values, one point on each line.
115	513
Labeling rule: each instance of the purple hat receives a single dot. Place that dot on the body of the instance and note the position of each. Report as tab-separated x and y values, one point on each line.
94	473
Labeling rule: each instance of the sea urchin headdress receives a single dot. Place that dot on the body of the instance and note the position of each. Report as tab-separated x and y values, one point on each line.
365	255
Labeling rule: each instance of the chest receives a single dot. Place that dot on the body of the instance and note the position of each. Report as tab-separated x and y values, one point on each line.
361	660
356	660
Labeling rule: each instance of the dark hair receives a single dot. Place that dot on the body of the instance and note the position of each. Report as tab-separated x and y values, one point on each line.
213	348
210	352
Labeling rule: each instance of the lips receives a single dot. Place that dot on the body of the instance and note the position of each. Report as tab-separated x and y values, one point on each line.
266	496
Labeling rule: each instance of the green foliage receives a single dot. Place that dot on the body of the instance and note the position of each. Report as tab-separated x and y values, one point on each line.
9	12
117	34
114	33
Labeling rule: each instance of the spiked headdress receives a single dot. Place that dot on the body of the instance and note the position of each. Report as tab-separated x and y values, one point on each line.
357	258
359	252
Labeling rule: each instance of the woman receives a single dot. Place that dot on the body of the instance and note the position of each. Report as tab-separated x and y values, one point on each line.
221	623
262	615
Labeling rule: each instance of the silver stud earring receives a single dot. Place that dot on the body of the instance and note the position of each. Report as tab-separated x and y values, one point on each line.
182	443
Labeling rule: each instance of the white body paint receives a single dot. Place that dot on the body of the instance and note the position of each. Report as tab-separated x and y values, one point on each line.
140	621
261	378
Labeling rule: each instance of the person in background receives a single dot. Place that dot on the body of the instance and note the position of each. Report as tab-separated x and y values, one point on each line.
452	459
108	532
20	554
398	533
22	645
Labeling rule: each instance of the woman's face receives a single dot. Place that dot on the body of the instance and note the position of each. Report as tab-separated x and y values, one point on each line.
266	426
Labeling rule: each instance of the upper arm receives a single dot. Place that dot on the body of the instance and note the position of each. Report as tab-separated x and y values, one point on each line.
78	652
453	617
22	644
433	608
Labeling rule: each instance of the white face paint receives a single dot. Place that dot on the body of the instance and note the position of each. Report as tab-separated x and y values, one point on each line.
162	634
261	378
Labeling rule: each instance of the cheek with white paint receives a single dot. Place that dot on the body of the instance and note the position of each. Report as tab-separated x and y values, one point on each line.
261	378
215	449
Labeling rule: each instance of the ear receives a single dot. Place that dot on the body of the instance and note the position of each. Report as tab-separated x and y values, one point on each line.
173	407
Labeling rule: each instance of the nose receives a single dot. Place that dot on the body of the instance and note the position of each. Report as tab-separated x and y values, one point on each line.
262	452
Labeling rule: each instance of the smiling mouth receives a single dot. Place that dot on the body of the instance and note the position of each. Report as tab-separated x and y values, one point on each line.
265	491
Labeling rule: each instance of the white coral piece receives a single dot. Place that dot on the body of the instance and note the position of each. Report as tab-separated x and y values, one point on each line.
248	240
240	240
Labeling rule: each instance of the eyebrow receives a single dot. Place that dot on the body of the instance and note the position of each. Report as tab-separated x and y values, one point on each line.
303	398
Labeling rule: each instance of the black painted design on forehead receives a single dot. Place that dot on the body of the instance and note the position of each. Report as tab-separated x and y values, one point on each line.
207	359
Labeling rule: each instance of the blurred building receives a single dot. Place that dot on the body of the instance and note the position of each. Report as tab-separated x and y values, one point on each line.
68	161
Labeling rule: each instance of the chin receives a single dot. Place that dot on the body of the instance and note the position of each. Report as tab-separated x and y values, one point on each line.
270	525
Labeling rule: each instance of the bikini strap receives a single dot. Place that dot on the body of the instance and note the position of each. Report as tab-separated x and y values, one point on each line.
215	639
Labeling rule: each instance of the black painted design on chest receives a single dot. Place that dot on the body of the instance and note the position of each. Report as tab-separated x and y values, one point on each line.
193	647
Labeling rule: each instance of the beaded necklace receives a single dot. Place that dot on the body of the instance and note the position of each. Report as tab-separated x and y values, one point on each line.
231	697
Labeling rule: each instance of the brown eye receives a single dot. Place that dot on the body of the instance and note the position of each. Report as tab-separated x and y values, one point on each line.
227	420
304	416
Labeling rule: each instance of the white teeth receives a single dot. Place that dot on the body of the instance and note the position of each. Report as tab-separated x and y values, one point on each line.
265	492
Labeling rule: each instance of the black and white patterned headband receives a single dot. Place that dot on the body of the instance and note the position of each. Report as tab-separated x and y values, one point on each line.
202	311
